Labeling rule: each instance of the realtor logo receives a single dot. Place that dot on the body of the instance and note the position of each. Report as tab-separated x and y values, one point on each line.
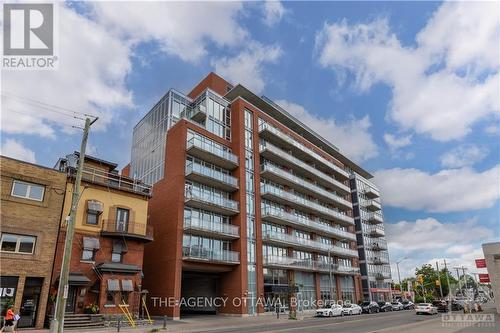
28	29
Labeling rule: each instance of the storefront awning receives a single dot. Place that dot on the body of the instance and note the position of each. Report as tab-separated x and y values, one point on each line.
115	267
78	279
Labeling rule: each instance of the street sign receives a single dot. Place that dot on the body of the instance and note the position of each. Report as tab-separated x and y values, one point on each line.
484	278
480	263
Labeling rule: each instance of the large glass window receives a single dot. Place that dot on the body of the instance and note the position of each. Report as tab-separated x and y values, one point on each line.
17	243
27	190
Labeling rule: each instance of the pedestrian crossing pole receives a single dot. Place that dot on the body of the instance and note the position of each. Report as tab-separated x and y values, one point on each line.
57	325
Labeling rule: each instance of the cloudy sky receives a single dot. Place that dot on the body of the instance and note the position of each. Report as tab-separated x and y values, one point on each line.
410	90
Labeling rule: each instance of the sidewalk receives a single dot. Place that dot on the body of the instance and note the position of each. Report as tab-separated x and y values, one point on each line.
198	323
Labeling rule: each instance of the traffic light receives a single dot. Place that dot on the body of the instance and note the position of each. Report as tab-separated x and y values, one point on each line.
421	278
438	283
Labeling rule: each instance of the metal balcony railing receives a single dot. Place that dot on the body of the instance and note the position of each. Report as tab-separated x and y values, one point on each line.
113	180
302	183
295	241
376	231
305	203
196	252
213	149
209	199
311	171
285	137
373	205
211	226
129	229
309	223
375	218
211	173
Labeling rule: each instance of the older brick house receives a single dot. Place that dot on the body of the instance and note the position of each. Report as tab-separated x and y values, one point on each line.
110	232
32	200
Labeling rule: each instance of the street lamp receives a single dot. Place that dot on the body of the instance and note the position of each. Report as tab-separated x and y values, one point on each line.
397	266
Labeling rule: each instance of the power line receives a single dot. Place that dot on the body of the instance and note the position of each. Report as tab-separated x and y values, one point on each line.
47	106
58	122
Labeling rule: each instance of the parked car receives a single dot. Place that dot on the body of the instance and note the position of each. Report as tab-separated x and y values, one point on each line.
385	306
397	306
331	310
441	306
408	305
423	308
352	309
370	307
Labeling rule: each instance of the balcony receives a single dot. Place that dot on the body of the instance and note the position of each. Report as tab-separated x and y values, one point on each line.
212	153
202	254
375	218
382	276
280	156
308	265
213	178
210	228
372	193
112	180
376	231
130	230
271	133
379	260
276	194
306	244
284	218
194	198
373	205
380	245
198	113
284	177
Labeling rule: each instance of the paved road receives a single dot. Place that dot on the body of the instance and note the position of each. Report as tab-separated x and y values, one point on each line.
355	324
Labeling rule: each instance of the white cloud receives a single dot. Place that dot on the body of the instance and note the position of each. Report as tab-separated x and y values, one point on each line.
452	190
396	143
273	12
247	67
430	234
463	155
359	147
17	150
93	84
183	29
443	85
492	129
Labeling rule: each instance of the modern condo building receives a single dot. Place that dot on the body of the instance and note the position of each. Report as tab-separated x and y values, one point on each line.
249	203
372	246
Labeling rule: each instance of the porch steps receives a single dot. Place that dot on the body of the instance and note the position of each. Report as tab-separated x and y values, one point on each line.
77	321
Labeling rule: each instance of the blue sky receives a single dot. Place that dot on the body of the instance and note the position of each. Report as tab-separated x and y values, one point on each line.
408	89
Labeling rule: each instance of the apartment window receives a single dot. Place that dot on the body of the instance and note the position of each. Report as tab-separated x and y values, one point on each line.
119	247
17	243
27	190
94	209
122	219
90	247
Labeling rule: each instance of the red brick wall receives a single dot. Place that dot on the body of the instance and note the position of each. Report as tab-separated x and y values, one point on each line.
212	81
126	170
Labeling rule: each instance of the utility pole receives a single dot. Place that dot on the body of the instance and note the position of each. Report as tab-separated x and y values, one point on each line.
458	277
331	280
448	282
439	277
62	292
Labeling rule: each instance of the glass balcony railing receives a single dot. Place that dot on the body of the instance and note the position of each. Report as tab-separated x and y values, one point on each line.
313	172
294	241
347	269
373	205
309	223
212	149
200	253
375	218
379	245
379	260
211	173
304	184
371	192
285	137
381	275
211	226
308	264
210	199
376	231
305	203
